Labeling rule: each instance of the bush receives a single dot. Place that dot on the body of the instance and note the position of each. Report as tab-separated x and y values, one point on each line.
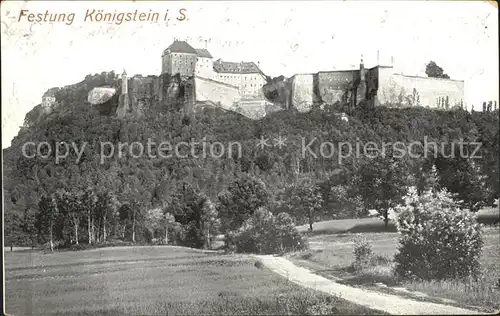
437	239
267	234
362	254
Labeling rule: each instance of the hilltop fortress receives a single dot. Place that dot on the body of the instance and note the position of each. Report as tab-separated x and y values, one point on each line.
191	78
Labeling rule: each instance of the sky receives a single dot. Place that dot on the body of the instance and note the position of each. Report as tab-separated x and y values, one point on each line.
286	37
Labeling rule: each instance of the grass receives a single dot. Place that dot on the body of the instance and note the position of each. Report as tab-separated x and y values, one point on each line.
156	280
331	255
343	226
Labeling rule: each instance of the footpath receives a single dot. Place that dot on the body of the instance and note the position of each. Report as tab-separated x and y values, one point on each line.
391	304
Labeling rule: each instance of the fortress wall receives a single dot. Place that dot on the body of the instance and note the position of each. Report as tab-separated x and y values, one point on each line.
302	96
393	87
215	91
333	84
254	109
144	87
383	81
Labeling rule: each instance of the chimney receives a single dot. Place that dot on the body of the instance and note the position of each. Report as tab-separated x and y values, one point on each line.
392	61
378	57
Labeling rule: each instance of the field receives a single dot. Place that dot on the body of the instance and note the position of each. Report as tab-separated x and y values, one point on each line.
152	281
331	255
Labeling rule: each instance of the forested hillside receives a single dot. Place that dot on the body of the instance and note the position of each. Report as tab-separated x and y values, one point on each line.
132	198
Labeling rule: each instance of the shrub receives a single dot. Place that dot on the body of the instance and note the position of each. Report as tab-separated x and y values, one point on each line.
437	239
259	265
266	233
362	254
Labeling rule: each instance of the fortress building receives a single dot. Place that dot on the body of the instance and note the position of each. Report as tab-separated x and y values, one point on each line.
379	85
48	99
245	77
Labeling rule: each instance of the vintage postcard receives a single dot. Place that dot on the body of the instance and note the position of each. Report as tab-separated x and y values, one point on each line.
250	157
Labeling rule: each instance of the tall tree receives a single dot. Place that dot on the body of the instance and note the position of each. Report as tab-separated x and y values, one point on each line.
89	200
29	228
106	212
188	206
47	216
434	71
383	184
210	221
69	205
238	202
304	200
13	229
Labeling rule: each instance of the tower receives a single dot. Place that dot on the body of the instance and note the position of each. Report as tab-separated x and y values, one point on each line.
124	82
123	100
361	89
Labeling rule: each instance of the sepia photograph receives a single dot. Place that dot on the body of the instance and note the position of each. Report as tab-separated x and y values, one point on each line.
250	158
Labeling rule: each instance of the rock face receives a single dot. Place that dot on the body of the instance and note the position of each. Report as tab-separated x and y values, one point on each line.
100	95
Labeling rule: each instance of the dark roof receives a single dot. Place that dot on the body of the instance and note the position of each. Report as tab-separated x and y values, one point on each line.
202	52
180	47
236	68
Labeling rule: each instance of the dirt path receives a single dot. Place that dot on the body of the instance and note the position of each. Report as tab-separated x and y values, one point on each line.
391	304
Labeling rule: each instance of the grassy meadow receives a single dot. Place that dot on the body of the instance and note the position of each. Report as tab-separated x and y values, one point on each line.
331	255
157	280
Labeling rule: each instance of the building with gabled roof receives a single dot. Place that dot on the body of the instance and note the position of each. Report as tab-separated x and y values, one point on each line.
182	58
181	47
179	57
203	53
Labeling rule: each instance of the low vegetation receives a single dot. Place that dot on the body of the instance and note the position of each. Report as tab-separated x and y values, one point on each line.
266	233
157	281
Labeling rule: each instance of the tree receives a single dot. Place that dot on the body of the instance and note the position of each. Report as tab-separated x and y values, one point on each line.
464	177
138	197
89	200
193	210
437	239
382	184
47	216
168	222
434	71
106	209
210	221
238	202
342	203
304	199
69	205
429	180
13	229
29	228
153	221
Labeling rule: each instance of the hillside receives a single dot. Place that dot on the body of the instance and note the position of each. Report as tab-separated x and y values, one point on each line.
79	125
